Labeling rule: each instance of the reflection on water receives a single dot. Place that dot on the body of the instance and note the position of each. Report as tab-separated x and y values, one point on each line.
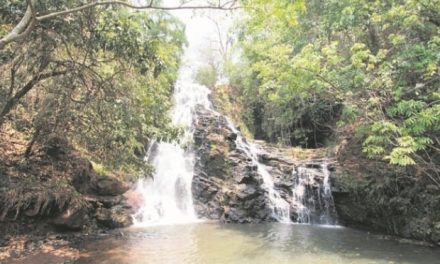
263	243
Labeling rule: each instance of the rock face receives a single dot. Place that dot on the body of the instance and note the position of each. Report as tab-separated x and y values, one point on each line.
405	209
227	186
375	195
103	197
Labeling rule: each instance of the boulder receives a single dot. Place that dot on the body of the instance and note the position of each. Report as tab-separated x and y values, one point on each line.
109	186
116	217
73	219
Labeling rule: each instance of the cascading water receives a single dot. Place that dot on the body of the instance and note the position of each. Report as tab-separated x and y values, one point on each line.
167	197
280	207
312	195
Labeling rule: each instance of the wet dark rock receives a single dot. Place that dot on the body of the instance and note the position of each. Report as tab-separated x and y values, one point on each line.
226	184
313	165
405	209
115	217
235	215
231	136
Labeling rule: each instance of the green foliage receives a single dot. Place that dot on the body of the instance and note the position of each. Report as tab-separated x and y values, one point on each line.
286	88
114	68
207	76
314	64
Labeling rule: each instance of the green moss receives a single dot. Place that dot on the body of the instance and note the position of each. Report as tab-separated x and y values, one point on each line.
229	168
101	169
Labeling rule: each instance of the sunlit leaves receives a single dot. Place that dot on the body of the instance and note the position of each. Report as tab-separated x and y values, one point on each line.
121	66
381	58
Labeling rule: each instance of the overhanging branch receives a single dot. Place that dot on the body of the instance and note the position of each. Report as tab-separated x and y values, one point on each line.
225	6
30	19
22	28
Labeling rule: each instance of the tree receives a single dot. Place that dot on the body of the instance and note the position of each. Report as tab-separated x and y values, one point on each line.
102	80
31	16
32	21
371	65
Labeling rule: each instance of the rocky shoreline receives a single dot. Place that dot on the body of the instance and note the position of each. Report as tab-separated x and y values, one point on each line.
55	198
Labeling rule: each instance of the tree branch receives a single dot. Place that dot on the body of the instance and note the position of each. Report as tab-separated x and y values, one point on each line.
24	90
29	20
226	6
22	28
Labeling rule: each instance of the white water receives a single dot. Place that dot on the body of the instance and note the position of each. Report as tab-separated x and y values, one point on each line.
167	197
299	191
280	207
314	204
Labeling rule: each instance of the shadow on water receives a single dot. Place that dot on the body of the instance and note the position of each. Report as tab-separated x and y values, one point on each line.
252	243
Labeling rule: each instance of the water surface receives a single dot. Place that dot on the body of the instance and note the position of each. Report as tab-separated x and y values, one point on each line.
213	243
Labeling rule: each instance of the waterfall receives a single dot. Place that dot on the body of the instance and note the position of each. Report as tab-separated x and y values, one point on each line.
280	208
167	197
312	195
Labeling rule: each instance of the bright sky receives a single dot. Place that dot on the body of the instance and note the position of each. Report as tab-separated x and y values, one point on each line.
201	31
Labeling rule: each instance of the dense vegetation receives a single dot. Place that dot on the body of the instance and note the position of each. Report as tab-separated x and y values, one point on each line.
312	68
360	76
100	78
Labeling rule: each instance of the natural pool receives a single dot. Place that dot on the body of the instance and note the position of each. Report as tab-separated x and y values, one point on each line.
212	243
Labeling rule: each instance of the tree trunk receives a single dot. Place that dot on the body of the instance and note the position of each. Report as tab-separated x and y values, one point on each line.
28	151
10	104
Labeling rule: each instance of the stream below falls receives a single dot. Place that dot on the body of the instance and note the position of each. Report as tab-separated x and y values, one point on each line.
212	243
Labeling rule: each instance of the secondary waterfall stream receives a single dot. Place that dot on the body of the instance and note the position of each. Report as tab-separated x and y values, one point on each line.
280	208
312	195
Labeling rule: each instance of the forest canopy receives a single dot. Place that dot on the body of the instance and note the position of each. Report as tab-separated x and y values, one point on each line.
101	78
308	72
312	69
